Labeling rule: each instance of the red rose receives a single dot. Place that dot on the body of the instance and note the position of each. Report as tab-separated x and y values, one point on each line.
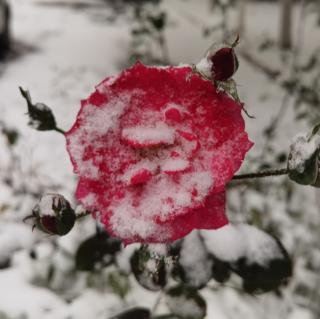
154	151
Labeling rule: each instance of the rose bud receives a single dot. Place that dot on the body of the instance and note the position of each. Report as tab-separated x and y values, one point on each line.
220	62
53	215
224	62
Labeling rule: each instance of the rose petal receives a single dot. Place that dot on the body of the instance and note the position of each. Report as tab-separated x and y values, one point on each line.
141	177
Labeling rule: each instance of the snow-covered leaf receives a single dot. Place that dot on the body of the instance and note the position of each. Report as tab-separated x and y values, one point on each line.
186	302
266	265
194	264
303	160
149	269
260	259
96	251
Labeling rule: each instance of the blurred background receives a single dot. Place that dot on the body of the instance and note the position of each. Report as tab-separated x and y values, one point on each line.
59	49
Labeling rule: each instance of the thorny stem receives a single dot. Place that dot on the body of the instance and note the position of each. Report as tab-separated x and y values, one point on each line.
277	172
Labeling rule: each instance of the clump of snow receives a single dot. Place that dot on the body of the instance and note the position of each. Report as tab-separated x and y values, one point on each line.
226	243
185	307
49	202
45	205
124	256
232	242
174	165
205	67
301	150
195	260
149	136
158	250
161	197
261	248
144	164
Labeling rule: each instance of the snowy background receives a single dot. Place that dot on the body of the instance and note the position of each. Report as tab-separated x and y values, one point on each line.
61	49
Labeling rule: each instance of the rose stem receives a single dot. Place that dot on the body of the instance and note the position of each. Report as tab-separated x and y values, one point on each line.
277	172
57	129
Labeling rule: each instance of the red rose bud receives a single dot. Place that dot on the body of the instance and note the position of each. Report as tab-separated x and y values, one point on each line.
224	64
53	215
220	62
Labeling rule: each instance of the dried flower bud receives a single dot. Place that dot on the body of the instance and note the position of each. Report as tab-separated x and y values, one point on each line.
40	115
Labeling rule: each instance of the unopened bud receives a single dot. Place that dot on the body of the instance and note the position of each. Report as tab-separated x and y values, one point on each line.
53	215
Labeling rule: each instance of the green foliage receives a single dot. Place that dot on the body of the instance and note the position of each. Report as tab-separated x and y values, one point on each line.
134	313
119	282
149	269
97	251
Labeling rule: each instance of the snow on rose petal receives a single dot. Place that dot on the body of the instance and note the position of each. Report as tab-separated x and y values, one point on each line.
154	151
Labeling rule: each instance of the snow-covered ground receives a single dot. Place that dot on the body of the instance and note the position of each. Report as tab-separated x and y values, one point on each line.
69	51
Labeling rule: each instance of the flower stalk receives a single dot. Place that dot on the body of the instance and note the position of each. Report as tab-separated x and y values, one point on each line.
262	174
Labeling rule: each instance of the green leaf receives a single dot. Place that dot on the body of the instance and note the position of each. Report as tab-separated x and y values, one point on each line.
315	131
119	282
134	313
96	251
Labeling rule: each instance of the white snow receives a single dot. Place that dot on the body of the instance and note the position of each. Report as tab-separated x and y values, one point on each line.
232	242
174	165
195	261
302	150
46	203
135	168
184	307
144	136
226	243
204	67
260	247
160	198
